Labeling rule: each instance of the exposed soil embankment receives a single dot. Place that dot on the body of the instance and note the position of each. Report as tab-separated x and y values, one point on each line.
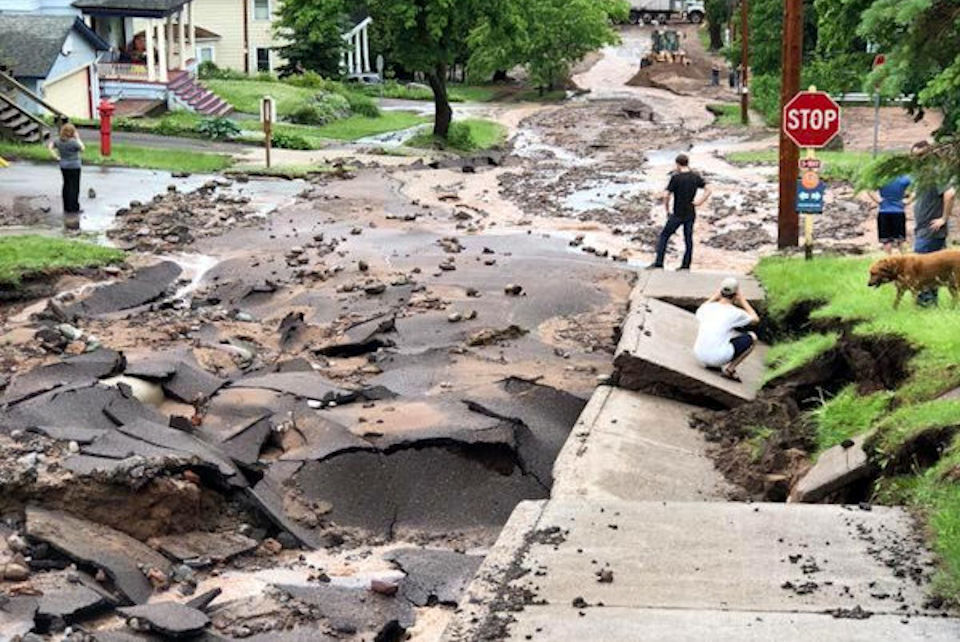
766	445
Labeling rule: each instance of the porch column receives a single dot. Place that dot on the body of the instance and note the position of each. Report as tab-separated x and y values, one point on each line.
182	38
162	53
359	54
168	37
151	66
366	50
192	29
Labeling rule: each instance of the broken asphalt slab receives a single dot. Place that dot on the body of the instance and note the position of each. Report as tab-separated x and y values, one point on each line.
434	576
16	617
361	338
633	446
655	355
200	545
190	383
169	619
362	612
120	556
72	370
306	385
146	285
65	414
67	599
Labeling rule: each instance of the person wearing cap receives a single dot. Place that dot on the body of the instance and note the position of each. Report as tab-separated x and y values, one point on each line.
722	341
682	189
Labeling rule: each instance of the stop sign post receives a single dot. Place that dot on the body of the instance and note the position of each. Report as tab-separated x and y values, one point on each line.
811	119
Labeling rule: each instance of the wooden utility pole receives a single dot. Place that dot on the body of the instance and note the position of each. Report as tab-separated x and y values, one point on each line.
788	222
745	62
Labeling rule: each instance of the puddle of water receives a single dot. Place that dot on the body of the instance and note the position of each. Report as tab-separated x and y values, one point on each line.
530	144
392	139
601	195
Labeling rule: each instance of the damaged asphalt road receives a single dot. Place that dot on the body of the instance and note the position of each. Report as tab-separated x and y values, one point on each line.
359	375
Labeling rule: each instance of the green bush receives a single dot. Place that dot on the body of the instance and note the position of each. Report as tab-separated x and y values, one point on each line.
312	80
218	128
209	70
362	105
266	76
324	108
289	141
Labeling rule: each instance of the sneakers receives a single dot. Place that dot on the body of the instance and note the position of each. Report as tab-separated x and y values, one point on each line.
654	266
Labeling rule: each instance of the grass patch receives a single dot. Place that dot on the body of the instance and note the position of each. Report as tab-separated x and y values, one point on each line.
837	166
245	95
467	136
129	156
759	435
726	114
847	415
784	358
22	255
356	127
472	93
841	282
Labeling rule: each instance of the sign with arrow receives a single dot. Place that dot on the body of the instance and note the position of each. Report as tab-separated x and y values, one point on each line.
810	193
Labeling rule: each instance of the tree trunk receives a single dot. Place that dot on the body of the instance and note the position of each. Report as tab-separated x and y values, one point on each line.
443	114
716	36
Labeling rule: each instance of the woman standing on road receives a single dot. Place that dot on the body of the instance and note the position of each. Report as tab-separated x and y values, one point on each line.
67	149
891	213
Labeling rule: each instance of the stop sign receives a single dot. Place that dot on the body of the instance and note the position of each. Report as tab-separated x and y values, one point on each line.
811	119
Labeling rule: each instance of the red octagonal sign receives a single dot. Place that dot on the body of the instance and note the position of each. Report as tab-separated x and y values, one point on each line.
811	119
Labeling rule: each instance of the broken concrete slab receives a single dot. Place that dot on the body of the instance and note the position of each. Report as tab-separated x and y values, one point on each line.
72	370
632	446
169	619
434	576
146	285
345	609
689	289
307	385
201	545
655	355
16	617
190	383
120	556
835	469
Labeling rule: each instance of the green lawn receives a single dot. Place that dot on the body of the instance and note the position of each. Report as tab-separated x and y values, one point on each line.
24	254
840	166
466	136
129	156
841	282
245	95
726	114
785	357
356	127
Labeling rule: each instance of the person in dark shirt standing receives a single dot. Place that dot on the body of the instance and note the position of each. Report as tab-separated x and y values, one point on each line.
931	214
683	187
67	150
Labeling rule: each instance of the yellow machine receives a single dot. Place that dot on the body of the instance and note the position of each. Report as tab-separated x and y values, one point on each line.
4	163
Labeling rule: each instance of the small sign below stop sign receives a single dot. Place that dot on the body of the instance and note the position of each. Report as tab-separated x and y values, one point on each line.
811	119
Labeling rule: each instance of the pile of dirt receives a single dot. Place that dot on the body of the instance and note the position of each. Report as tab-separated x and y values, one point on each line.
175	219
764	446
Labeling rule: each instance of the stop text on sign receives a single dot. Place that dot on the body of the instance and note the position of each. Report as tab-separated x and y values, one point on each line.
811	119
814	119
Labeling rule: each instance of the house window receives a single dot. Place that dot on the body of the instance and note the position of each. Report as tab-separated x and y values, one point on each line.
263	59
261	9
206	54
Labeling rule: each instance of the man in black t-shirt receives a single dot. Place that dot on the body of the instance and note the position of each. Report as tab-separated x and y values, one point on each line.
683	188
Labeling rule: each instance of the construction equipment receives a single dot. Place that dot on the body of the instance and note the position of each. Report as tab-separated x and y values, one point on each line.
646	11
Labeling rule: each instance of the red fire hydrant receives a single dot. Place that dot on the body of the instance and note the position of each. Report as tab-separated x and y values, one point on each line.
106	109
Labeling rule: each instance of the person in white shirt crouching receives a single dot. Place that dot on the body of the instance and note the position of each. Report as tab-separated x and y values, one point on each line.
722	340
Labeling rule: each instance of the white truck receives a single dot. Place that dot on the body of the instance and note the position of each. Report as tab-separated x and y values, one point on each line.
646	11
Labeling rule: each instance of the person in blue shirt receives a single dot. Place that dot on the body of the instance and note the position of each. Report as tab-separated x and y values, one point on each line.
891	213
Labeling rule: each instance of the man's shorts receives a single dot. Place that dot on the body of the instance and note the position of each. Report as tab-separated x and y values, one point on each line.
892	227
741	343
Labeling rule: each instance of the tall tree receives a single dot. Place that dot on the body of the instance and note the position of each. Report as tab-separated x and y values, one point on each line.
428	36
311	29
922	41
718	15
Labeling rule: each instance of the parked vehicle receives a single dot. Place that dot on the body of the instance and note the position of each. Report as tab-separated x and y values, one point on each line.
646	11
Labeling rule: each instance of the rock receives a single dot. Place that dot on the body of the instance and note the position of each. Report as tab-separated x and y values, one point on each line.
489	336
473	293
168	618
513	289
375	289
244	317
269	546
91	193
455	317
605	576
288	541
362	266
384	587
15	571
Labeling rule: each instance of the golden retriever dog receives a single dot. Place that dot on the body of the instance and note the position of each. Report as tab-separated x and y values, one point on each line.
918	273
